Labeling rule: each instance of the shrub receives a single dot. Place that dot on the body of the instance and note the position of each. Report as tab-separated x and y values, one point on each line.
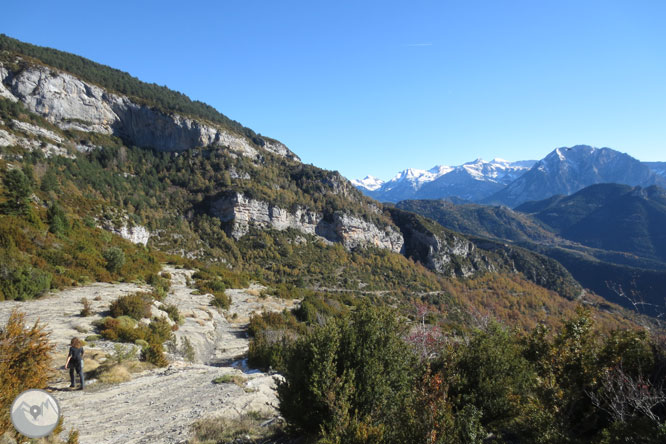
18	189
499	389
122	353
350	378
58	223
87	309
231	379
22	282
136	306
115	259
25	361
115	375
250	427
160	330
187	350
174	314
161	286
123	329
220	300
154	354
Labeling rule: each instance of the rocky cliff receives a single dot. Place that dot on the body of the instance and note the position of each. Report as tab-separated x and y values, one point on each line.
239	213
71	103
440	250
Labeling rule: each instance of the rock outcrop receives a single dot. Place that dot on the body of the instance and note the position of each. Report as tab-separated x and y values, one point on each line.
71	103
437	248
239	213
136	234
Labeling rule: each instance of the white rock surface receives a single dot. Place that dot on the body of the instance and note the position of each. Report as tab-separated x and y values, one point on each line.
36	130
158	405
72	103
242	212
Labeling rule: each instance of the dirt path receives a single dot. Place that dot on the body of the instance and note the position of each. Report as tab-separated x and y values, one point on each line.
159	405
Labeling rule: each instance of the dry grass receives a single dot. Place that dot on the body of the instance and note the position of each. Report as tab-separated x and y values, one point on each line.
90	365
251	427
231	379
115	375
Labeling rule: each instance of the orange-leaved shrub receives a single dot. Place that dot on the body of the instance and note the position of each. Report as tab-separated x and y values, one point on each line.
25	361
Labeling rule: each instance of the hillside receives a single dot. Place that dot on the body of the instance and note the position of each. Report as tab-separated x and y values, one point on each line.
605	235
481	220
610	217
166	233
108	150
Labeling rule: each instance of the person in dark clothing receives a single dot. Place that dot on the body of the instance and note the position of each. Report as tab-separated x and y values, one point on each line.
75	361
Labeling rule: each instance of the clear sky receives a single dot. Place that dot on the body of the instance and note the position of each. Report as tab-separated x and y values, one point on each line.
372	87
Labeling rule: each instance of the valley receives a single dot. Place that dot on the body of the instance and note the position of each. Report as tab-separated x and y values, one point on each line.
486	301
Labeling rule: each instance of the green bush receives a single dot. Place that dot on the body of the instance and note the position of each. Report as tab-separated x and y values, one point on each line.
22	282
18	189
174	314
58	222
115	259
161	286
494	377
136	306
220	300
122	353
154	354
351	379
160	330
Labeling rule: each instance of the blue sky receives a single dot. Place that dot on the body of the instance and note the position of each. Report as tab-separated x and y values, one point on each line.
372	87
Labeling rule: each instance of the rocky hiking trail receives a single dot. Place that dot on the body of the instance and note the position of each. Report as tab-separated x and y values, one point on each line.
160	404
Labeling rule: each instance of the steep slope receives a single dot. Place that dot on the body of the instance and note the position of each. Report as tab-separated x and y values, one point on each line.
567	170
190	184
625	278
449	253
481	220
609	216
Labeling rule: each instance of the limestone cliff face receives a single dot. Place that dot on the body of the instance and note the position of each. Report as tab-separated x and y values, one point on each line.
136	234
440	250
240	213
72	103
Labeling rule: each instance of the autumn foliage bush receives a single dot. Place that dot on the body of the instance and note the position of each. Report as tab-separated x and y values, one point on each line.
136	306
25	361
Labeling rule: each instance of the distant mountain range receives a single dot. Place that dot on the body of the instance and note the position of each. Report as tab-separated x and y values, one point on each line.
609	236
472	181
563	171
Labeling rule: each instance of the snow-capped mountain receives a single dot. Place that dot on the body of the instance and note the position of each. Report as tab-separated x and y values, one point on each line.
370	183
471	181
563	171
567	170
475	180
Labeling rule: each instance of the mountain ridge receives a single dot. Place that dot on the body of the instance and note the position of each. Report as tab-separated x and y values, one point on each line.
469	181
563	171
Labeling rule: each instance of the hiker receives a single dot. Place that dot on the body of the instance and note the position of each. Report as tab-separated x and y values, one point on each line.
75	361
